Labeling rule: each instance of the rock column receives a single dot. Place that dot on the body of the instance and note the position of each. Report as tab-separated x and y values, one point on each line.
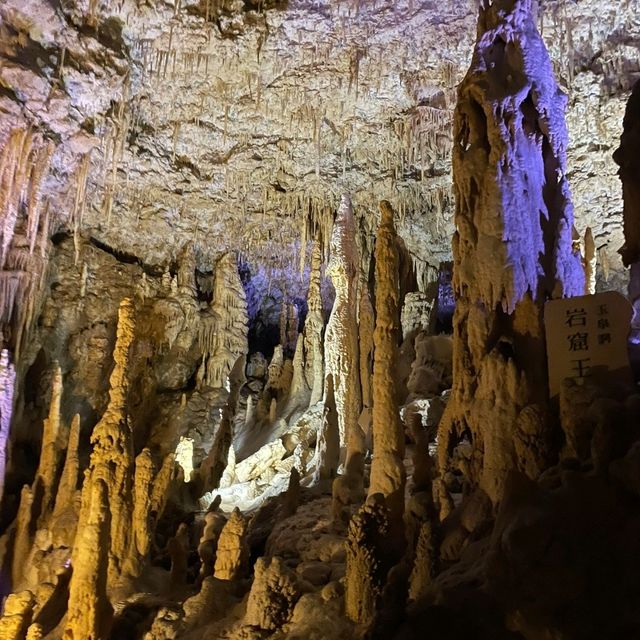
388	475
513	245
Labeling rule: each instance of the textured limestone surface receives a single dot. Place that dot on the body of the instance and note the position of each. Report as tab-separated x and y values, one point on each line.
196	117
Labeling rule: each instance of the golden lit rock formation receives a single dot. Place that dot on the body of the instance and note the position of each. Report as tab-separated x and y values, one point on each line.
388	475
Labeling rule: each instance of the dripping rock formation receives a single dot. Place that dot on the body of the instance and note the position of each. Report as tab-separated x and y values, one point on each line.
274	277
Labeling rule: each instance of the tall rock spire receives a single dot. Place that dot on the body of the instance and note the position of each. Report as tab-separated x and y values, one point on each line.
512	248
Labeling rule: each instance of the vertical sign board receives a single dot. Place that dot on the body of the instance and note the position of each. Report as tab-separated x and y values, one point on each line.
587	339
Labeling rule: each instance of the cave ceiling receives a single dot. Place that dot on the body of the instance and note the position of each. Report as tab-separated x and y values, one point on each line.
237	125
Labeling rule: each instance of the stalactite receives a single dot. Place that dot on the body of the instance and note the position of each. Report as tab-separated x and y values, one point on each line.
80	202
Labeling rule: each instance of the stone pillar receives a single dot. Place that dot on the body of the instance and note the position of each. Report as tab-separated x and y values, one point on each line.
341	338
314	328
513	246
388	475
112	460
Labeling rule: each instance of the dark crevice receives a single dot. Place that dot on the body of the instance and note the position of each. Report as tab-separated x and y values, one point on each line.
127	258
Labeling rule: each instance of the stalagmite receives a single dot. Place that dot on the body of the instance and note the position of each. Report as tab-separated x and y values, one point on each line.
50	453
590	262
142	486
214	522
288	327
314	328
232	554
328	441
299	392
23	535
7	385
366	325
388	475
341	337
273	594
69	479
366	569
89	610
112	461
513	245
16	616
223	338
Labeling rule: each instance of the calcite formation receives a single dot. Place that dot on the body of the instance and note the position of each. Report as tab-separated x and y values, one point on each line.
7	384
174	216
273	594
223	336
341	335
388	474
513	248
314	328
232	553
365	566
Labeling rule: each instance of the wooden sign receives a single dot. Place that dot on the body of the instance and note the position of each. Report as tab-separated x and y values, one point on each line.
587	339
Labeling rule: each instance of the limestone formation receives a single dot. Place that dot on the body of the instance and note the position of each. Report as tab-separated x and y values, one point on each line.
366	328
23	539
425	562
16	617
214	522
590	262
513	246
388	475
112	461
89	610
314	328
366	568
46	475
223	335
273	594
7	385
68	484
328	441
341	336
232	553
289	327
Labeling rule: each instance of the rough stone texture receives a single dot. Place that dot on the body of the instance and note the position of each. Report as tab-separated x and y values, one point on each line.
223	335
112	461
232	552
274	593
513	247
341	335
16	616
89	611
366	570
388	474
314	328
